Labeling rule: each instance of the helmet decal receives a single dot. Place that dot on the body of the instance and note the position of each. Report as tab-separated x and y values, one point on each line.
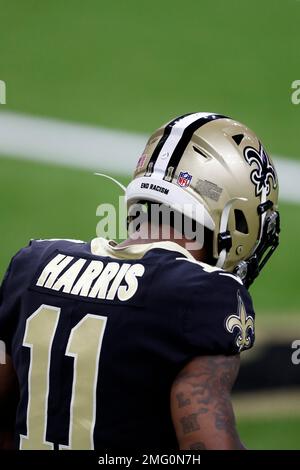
184	179
264	175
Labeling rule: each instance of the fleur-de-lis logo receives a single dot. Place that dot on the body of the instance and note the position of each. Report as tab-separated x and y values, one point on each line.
243	323
264	175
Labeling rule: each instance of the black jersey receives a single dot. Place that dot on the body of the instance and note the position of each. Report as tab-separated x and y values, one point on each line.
98	334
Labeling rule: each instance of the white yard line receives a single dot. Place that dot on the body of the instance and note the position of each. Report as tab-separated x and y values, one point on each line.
98	149
75	145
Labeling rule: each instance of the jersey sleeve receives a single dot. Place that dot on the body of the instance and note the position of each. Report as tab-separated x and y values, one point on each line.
10	293
219	317
7	307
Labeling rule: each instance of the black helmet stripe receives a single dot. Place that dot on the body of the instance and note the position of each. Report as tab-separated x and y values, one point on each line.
184	141
160	144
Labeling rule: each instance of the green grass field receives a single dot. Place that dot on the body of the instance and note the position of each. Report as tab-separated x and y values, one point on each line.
270	433
133	65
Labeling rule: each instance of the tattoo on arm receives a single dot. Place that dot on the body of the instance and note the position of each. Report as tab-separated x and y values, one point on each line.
182	401
209	381
189	423
197	446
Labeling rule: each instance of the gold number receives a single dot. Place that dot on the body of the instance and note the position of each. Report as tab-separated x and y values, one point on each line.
84	346
39	334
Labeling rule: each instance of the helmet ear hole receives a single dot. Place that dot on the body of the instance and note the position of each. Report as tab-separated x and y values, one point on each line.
240	221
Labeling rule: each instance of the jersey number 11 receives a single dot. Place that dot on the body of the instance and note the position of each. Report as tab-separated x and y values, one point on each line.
84	345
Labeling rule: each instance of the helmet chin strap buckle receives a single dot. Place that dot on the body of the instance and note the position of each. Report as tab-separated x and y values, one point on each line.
248	270
241	270
224	241
224	245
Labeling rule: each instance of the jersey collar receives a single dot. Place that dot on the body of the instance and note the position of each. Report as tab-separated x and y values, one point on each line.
103	247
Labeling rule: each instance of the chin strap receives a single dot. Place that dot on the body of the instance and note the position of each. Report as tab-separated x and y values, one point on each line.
224	237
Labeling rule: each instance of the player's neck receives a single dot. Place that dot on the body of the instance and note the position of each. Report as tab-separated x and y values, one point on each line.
147	234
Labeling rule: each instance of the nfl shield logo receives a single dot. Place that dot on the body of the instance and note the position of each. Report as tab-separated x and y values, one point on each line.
184	179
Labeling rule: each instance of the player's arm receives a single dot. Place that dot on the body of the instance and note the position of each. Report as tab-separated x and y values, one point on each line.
8	399
201	405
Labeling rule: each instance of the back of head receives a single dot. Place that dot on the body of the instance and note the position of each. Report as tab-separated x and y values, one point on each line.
214	170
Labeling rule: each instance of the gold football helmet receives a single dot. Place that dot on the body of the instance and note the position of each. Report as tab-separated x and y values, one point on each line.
211	160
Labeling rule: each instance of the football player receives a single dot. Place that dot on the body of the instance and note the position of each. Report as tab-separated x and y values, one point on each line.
137	346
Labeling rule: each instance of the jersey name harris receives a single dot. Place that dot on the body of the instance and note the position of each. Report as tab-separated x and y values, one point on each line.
91	278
